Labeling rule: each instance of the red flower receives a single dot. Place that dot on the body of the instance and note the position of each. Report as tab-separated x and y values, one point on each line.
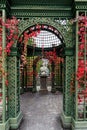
80	54
6	82
81	46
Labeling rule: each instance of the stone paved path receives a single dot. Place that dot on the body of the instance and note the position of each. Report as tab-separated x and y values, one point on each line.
41	111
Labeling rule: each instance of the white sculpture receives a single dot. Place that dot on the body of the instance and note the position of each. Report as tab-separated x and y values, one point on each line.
44	71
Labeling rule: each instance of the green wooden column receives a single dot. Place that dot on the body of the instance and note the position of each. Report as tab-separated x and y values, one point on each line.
4	67
67	97
34	79
68	70
15	114
4	118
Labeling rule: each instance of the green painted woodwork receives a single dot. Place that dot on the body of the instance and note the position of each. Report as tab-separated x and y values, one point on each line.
35	8
69	51
64	28
12	123
15	116
66	121
53	80
15	122
69	70
45	2
12	88
5	126
58	77
10	94
79	121
4	4
40	10
81	4
40	13
54	13
34	78
79	125
4	67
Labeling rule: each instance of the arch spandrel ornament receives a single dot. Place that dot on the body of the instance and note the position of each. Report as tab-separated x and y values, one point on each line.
26	23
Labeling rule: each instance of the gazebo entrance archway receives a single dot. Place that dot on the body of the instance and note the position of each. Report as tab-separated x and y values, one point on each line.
37	37
68	58
14	68
56	13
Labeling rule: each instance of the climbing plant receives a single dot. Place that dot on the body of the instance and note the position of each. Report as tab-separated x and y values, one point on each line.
80	85
11	27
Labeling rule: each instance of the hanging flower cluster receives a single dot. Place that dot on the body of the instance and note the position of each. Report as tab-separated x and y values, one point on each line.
81	75
11	36
0	37
51	55
28	34
27	38
32	73
36	60
11	33
2	71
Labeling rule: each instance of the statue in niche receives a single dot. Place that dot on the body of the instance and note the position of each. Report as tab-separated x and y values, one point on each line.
44	71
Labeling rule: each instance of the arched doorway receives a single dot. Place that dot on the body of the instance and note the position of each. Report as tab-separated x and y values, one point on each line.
42	42
56	14
14	60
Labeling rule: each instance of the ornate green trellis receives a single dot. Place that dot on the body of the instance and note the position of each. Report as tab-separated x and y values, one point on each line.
65	30
51	15
13	69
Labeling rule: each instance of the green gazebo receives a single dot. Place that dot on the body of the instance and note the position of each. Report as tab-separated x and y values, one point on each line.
68	20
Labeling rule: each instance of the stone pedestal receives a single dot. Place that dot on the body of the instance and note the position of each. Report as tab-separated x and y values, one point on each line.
43	83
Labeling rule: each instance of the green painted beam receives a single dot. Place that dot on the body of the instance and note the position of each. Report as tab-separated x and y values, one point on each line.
42	2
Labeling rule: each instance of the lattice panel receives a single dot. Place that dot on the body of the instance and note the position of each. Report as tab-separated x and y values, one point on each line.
58	72
1	107
69	40
69	69
12	77
6	96
18	87
67	31
29	71
64	66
